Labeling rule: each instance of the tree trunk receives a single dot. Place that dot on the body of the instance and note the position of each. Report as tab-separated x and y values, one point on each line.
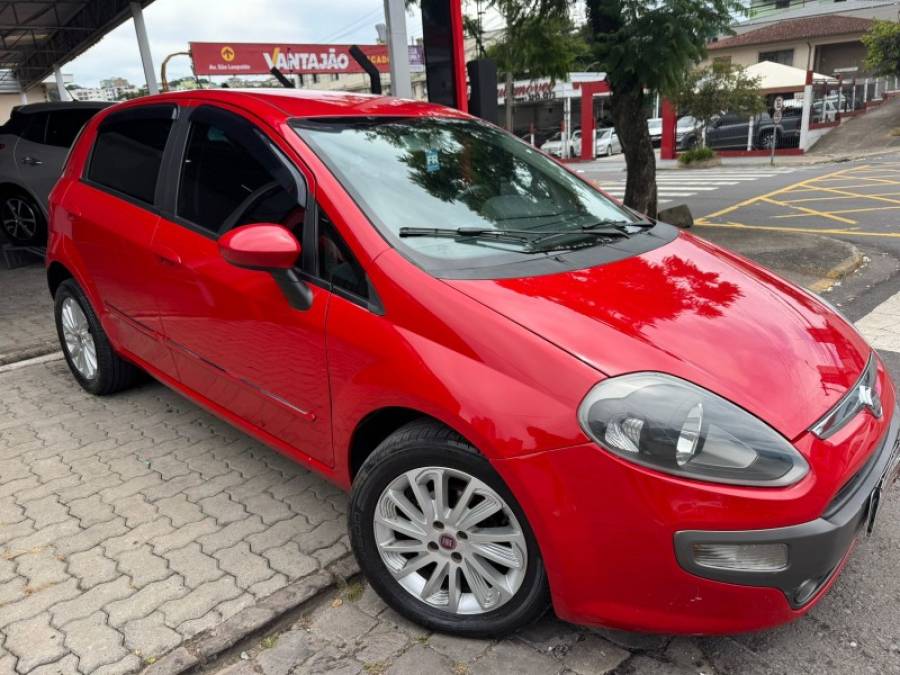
631	126
510	101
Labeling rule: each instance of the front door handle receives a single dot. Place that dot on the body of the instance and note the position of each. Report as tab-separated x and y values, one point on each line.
31	161
167	256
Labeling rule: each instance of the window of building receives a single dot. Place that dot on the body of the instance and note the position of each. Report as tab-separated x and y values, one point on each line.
337	266
783	56
232	176
128	151
64	125
781	4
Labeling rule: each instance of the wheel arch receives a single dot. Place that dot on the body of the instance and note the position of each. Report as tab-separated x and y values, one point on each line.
375	427
56	274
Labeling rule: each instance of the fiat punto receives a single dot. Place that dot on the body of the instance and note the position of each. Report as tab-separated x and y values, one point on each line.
533	394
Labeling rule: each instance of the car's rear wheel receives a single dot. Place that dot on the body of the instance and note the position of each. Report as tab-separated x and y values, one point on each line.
91	358
22	220
442	539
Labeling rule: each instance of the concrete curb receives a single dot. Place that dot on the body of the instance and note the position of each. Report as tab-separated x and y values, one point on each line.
31	352
205	647
843	269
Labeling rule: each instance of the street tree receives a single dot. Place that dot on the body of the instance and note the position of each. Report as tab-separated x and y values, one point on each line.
705	93
883	48
539	40
649	46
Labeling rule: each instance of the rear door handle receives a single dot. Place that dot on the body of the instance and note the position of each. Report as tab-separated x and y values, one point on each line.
167	256
31	161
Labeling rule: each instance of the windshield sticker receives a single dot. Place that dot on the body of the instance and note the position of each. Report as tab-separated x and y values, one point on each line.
432	163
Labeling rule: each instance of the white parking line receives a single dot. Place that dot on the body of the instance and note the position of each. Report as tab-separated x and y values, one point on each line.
881	326
55	356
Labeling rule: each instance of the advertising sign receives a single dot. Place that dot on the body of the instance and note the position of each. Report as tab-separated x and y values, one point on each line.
256	58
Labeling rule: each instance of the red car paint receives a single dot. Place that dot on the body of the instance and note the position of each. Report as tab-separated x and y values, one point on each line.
503	362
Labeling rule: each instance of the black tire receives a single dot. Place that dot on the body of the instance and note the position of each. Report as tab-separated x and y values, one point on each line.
424	443
22	220
689	143
113	373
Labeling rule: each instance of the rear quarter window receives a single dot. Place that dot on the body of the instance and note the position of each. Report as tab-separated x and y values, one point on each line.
64	125
128	151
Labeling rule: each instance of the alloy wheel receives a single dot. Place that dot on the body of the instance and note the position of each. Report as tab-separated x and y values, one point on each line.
450	540
80	344
19	220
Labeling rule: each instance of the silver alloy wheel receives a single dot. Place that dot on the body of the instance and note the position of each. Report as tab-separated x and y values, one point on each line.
450	540
79	341
19	219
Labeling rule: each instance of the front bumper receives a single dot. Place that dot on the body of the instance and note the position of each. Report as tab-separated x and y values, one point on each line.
815	548
607	528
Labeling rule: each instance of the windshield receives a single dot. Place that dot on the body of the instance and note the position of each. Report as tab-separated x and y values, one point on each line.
446	173
605	133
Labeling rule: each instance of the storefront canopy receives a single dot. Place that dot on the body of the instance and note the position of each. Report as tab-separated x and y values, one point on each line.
37	35
777	77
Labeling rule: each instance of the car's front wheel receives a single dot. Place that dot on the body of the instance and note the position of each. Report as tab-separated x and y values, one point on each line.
442	539
87	349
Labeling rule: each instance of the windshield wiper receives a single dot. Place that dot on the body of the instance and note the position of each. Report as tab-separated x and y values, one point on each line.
616	223
530	240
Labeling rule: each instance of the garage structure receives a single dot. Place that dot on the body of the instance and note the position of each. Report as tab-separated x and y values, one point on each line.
38	36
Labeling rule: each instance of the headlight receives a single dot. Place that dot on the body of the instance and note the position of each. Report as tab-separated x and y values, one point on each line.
671	425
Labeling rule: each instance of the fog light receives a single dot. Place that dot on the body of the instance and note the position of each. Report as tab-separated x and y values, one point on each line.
805	591
742	557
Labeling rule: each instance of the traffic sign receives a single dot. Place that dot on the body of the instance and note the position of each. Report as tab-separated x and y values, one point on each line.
779	103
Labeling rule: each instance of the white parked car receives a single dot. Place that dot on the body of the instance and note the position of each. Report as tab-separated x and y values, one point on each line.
607	142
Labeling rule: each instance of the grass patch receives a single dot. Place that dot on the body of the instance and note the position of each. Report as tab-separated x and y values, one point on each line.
269	641
353	591
695	155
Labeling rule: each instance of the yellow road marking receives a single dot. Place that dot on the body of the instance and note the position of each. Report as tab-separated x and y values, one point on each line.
812	212
871	208
753	200
800	230
849	196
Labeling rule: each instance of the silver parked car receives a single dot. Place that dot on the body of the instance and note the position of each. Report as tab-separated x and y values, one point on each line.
33	148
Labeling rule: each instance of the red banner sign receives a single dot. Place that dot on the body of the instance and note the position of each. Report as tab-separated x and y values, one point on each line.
245	58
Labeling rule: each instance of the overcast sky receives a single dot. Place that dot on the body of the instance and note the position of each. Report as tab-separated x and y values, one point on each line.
171	24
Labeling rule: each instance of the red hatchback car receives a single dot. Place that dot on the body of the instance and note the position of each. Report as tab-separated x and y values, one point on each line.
532	393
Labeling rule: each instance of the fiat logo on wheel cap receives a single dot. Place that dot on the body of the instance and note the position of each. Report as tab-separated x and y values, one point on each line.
447	542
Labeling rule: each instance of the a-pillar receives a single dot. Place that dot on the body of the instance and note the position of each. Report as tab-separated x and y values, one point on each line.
669	121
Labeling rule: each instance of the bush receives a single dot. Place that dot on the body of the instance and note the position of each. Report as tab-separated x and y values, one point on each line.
695	155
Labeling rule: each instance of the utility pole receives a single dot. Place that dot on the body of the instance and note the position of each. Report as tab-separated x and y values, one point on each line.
395	17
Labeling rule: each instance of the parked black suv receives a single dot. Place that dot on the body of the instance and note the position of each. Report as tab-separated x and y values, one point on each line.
729	132
33	147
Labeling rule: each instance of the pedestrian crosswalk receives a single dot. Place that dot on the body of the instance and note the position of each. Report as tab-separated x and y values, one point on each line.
683	183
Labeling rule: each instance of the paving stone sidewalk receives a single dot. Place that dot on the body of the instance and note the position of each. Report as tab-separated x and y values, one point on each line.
26	314
131	523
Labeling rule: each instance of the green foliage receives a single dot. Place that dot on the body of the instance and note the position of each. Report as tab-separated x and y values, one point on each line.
883	48
652	43
540	39
720	87
695	155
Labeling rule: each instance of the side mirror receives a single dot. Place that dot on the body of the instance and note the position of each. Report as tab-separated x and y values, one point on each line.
261	246
268	248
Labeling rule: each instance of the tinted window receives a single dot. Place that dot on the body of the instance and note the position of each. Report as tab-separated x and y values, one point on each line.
15	124
128	151
65	124
337	266
231	176
35	127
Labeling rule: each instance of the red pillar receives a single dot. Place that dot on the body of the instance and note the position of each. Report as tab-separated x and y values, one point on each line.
588	90
669	120
459	55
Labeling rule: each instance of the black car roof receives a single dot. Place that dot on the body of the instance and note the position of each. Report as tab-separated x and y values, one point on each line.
31	108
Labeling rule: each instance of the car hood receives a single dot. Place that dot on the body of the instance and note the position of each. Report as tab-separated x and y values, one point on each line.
700	313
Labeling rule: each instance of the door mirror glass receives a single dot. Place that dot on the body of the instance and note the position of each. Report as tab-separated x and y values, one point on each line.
260	246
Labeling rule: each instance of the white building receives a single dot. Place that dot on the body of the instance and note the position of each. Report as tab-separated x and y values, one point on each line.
89	94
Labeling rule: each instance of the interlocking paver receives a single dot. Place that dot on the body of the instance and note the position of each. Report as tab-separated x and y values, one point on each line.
223	509
35	642
150	637
143	566
194	565
91	601
92	568
246	567
289	560
179	510
199	601
146	600
94	642
42	568
136	510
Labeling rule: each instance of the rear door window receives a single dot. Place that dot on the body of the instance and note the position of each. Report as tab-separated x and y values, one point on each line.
35	127
128	151
64	125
